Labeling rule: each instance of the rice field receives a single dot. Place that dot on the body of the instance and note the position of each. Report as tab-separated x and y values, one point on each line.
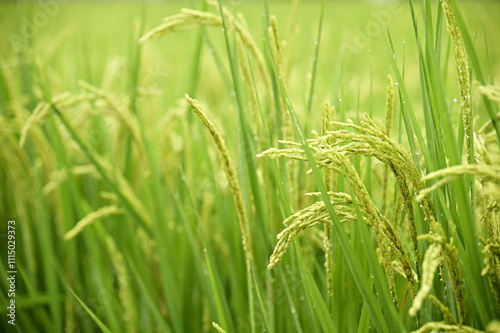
250	166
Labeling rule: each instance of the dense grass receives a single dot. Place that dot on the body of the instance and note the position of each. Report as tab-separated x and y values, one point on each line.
140	209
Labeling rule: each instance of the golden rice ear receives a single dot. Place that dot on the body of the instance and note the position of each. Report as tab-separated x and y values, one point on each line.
124	116
485	174
493	94
42	111
441	250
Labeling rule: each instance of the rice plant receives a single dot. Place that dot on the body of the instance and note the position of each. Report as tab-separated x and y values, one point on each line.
250	167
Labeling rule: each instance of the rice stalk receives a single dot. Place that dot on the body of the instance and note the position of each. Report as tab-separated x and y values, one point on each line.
126	118
203	18
248	40
286	130
91	219
463	78
109	174
492	93
276	46
432	259
126	293
308	218
231	176
371	140
124	190
367	140
490	220
440	251
246	72
389	115
445	311
234	188
57	177
19	184
42	111
327	241
483	156
492	264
